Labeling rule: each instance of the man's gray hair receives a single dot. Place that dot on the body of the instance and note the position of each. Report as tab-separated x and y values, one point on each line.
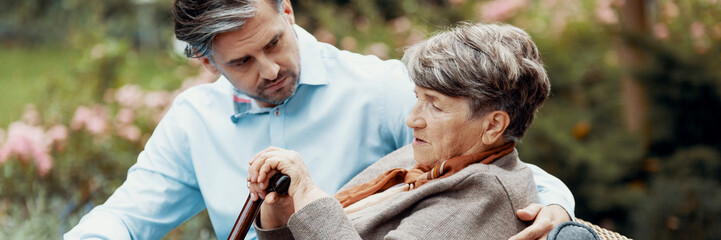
493	66
197	22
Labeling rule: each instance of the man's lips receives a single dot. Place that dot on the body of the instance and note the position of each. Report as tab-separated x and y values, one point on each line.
276	85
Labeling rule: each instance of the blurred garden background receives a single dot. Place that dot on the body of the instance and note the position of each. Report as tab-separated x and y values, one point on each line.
631	126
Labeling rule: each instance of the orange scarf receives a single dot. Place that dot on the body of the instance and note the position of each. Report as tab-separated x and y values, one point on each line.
420	174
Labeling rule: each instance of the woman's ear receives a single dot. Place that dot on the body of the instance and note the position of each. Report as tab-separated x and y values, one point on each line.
495	124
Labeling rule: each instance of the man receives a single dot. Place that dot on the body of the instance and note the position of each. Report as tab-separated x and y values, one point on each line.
280	87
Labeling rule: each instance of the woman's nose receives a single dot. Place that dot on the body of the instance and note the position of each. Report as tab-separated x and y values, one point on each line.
414	120
268	68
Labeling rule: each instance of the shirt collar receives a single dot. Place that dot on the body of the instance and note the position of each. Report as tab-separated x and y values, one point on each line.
312	72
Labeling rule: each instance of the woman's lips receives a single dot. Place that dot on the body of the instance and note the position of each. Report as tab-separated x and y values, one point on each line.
418	141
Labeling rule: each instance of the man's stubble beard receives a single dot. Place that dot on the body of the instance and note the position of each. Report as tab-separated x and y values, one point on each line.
276	97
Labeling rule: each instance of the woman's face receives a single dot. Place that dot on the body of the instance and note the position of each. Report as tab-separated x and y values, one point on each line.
442	127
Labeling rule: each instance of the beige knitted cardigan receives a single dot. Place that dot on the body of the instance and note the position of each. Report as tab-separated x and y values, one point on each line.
478	202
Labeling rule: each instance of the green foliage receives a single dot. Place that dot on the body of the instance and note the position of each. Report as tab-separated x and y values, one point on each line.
23	83
682	202
685	92
87	167
36	219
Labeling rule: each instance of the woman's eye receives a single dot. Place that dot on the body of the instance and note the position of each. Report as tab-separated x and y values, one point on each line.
436	107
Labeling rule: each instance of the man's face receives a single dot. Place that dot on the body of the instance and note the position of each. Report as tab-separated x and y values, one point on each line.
262	58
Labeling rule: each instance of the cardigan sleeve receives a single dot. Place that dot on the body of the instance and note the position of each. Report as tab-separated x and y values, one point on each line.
276	233
322	219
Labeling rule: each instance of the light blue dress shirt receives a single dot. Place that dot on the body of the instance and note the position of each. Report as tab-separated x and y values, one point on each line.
348	111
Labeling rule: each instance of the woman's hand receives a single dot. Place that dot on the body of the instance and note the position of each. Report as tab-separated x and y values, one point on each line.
277	209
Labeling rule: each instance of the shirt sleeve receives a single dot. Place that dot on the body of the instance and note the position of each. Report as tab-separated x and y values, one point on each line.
159	193
397	101
552	191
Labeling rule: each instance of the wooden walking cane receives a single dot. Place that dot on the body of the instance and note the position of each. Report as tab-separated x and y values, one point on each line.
278	183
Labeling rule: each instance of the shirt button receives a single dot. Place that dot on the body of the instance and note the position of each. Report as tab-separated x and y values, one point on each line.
276	112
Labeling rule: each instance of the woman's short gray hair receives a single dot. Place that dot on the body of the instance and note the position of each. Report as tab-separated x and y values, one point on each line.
494	66
197	22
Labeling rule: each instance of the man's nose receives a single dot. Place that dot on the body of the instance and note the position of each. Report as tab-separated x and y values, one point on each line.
268	68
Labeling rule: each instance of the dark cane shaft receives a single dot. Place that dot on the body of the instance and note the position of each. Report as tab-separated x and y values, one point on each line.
278	183
245	219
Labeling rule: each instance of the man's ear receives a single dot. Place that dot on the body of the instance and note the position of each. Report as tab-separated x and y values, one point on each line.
209	65
495	124
287	9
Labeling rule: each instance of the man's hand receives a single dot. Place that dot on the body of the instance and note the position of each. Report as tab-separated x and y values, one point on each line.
546	218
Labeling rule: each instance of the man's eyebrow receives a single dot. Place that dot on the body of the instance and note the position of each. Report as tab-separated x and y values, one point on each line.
272	40
234	61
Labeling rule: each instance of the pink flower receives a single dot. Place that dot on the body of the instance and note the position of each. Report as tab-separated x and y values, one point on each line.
82	114
94	120
22	138
401	24
605	13
56	136
97	123
660	30
130	132
500	10
155	100
379	49
43	163
323	35
125	116
3	156
697	30
27	142
129	96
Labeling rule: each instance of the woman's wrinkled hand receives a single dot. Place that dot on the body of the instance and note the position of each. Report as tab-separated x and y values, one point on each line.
273	160
277	209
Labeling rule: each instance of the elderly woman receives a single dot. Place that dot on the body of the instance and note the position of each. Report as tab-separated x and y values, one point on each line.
478	88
